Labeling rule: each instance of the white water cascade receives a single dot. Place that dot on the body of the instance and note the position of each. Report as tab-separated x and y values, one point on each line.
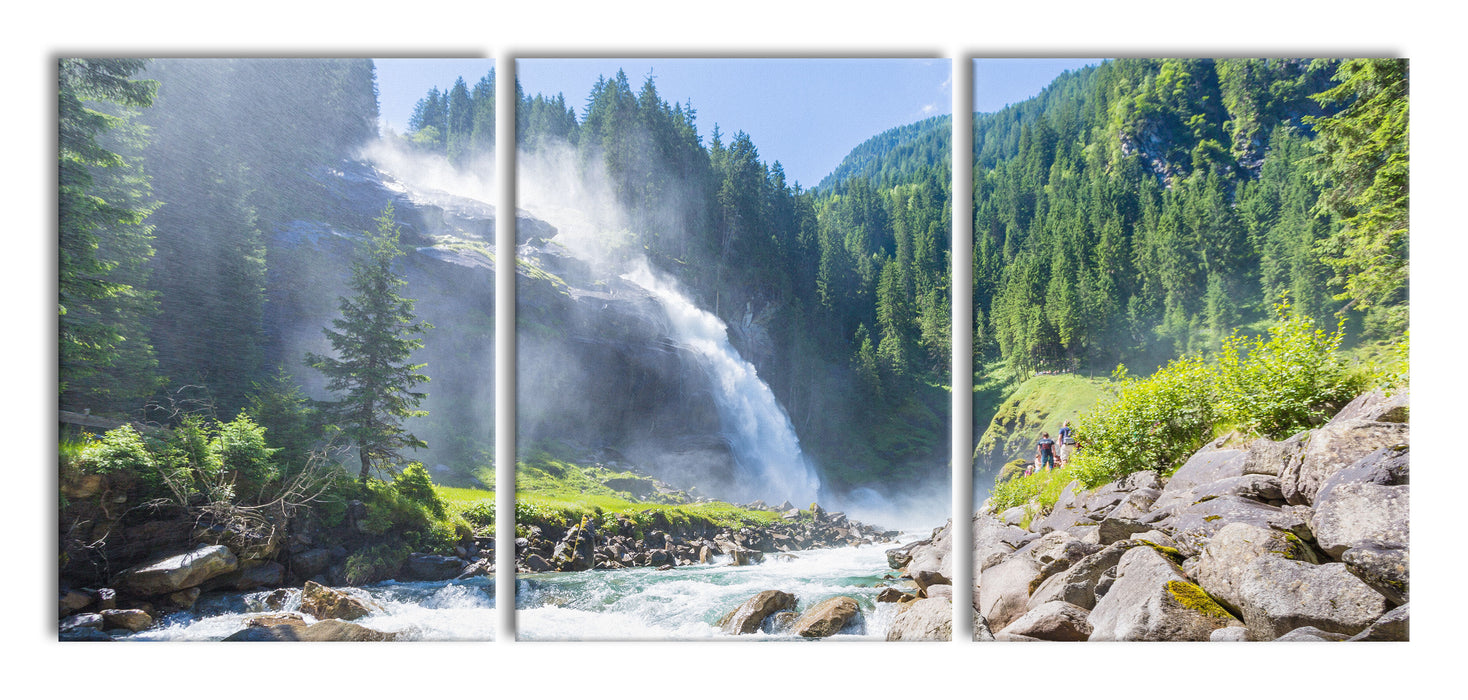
764	442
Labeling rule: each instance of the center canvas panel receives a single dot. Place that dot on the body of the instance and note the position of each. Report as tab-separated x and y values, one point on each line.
733	317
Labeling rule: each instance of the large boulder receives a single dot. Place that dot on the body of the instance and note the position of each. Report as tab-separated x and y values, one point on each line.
1391	627
431	567
575	551
323	631
130	620
747	618
827	617
1369	423
325	603
1004	589
1276	595
1203	468
1055	621
1151	600
1220	568
1358	514
1272	458
175	573
925	619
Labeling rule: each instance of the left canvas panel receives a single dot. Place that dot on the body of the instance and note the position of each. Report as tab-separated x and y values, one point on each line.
276	349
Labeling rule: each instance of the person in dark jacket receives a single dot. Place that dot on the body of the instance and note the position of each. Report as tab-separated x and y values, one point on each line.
1045	451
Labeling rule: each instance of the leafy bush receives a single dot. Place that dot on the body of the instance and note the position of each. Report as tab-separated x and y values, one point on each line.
1290	382
415	485
375	563
120	450
240	449
1152	423
480	514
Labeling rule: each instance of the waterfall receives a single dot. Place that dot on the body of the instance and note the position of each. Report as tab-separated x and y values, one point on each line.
767	452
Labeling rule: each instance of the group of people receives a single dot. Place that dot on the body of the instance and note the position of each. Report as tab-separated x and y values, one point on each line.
1049	455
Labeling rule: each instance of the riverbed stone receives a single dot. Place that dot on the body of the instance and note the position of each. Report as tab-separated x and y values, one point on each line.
747	618
1151	600
177	572
925	619
431	567
72	600
130	620
827	617
325	603
1055	621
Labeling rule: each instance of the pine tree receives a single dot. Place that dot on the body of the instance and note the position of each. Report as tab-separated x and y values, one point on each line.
373	341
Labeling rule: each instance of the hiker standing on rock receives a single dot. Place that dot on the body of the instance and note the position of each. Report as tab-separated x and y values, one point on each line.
1067	437
1045	452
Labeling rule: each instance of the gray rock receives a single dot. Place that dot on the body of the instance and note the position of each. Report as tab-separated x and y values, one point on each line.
1358	514
925	619
72	600
1156	537
1057	551
940	591
431	567
1336	446
747	618
1055	621
1114	529
1194	525
1151	600
1276	595
1138	503
1004	589
1257	487
1271	458
1230	634
1204	467
981	632
1220	569
1391	627
311	562
1385	569
175	573
1388	466
1077	585
326	603
1377	407
1310	634
81	620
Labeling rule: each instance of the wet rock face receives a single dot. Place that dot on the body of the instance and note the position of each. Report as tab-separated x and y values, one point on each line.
747	618
178	572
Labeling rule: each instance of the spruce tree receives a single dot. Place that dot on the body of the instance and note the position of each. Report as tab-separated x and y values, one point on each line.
373	341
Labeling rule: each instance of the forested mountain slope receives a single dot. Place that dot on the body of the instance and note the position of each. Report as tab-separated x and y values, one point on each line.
1145	208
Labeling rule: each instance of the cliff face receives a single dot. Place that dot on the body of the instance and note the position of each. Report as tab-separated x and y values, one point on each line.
596	369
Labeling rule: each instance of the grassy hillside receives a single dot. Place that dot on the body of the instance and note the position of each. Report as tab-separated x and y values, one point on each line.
1041	403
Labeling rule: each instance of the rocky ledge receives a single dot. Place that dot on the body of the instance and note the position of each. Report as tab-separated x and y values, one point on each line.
665	544
1304	539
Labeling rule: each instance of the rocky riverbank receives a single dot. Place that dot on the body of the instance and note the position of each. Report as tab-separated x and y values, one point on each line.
666	544
1300	539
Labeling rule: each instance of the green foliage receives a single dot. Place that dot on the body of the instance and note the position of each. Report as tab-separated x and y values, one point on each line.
119	451
1156	422
239	449
294	425
1362	164
1292	381
375	563
1043	488
373	341
415	485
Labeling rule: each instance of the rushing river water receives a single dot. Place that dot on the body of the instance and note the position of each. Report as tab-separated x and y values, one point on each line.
418	611
687	602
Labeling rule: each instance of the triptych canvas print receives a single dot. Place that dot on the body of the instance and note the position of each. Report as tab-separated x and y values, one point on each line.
1177	290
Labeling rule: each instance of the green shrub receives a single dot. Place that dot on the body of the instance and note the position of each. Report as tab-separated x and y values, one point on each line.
119	451
1042	488
375	563
240	449
414	484
480	514
1152	423
1292	381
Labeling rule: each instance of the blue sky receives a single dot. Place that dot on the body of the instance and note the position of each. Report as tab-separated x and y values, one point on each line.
806	113
999	82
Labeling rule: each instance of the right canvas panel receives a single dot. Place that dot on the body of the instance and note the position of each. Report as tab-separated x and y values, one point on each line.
1190	349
